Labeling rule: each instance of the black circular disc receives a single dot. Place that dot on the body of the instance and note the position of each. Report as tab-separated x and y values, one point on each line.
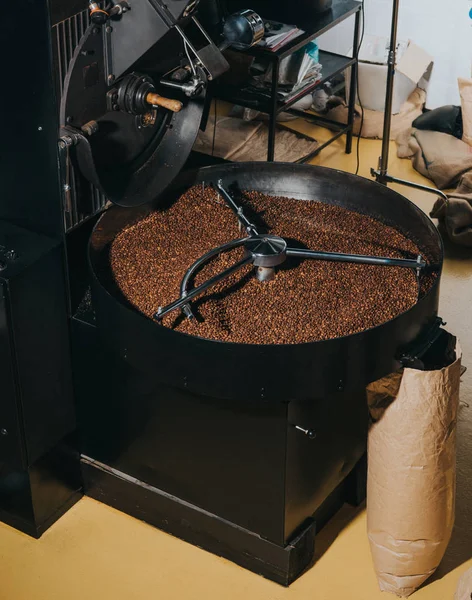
130	158
150	171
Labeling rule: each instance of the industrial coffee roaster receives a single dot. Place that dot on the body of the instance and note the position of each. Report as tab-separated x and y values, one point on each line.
242	449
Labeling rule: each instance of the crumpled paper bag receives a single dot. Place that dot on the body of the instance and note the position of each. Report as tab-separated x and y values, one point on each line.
465	90
411	473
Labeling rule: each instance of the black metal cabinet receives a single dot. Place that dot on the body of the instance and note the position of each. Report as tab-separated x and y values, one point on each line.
39	473
11	449
39	470
326	439
235	477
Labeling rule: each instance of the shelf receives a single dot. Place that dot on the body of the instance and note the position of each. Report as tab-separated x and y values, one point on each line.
267	100
332	64
341	10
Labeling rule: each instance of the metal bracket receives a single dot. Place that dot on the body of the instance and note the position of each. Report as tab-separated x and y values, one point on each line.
209	58
385	178
409	357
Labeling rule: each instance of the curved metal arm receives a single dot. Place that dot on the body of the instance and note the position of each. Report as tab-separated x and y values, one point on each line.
187	297
199	263
417	264
205	258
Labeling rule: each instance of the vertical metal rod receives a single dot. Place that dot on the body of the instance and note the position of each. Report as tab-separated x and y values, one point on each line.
353	85
383	161
381	174
59	58
273	109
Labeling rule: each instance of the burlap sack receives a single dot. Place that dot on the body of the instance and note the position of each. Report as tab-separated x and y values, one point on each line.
411	473
455	213
241	141
372	126
465	89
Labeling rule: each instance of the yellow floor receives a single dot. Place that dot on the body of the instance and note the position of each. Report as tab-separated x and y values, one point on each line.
95	552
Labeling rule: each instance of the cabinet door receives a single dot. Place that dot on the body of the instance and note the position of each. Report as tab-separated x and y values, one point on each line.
11	453
317	465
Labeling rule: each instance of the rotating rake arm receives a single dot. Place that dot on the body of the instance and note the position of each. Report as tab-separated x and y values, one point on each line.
417	264
185	296
238	210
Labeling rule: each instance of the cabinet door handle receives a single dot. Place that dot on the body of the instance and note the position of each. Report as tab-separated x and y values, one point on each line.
310	433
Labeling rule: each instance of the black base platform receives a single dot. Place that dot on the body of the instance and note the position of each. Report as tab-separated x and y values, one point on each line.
282	564
34	498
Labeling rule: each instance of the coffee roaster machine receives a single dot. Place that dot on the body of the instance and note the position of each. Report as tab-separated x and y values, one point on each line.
241	449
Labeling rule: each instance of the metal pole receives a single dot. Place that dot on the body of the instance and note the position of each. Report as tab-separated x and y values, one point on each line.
383	161
353	87
273	109
381	174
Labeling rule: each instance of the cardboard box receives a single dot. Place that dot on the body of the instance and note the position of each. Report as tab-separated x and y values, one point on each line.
412	63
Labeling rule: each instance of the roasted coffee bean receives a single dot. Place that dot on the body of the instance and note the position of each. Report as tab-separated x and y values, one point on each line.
307	301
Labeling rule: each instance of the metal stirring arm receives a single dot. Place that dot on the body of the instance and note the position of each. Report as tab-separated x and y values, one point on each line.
186	296
238	210
417	264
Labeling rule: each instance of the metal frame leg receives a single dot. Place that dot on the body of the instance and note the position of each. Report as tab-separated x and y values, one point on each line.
383	161
381	173
209	98
353	85
385	179
273	110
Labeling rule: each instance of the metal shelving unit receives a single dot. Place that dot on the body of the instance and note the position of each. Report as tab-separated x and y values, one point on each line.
333	64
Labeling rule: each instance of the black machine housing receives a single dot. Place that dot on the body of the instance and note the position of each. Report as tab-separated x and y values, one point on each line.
244	450
128	149
255	445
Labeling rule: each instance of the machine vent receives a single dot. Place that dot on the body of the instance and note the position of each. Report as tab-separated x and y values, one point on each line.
81	199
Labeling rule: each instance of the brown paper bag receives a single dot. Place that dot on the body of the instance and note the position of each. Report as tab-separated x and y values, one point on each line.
465	89
411	473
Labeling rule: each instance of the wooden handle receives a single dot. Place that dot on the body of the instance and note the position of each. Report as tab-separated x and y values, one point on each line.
156	100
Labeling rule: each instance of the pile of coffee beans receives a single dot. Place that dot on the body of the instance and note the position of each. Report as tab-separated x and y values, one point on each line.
307	301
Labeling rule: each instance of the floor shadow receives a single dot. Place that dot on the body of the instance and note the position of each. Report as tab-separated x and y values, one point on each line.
459	550
330	532
326	537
